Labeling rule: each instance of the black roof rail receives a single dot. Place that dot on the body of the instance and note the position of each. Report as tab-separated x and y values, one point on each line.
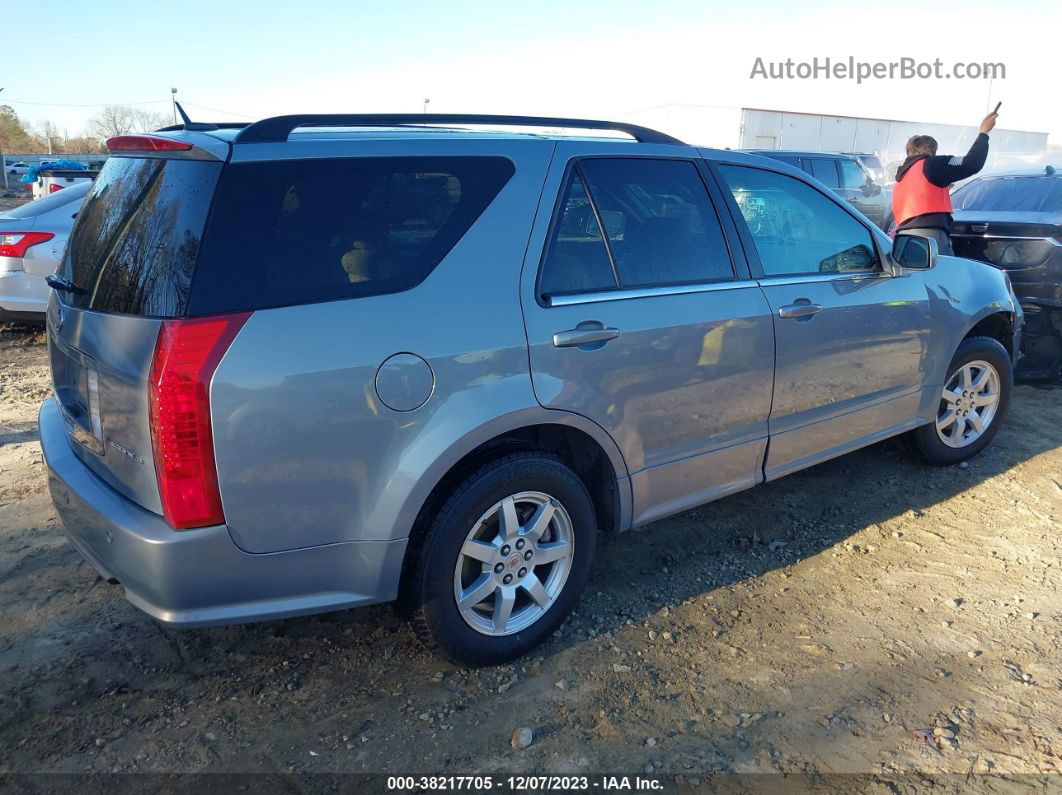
278	128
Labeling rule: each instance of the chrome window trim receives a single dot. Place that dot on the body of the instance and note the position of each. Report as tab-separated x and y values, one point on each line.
801	278
648	292
1050	240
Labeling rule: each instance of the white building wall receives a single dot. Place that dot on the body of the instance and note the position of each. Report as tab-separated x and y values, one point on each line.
748	128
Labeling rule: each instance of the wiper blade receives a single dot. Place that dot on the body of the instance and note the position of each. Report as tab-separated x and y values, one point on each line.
57	282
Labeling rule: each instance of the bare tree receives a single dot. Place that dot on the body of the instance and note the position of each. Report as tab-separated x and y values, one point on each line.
50	138
123	120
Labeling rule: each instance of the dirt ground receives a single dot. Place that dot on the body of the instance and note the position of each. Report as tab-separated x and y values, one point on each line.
870	615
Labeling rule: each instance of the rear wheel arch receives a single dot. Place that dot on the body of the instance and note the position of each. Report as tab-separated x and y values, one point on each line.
600	468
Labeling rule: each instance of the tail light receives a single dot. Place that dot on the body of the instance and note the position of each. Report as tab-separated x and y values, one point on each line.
15	244
146	143
53	188
186	355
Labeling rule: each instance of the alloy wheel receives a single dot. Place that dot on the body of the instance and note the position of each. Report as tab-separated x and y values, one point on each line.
968	404
514	563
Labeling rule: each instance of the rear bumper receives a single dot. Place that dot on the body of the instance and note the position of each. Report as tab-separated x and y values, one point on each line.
23	296
194	578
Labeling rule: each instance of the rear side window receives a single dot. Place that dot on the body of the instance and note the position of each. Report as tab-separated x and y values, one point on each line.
303	231
134	246
578	259
660	228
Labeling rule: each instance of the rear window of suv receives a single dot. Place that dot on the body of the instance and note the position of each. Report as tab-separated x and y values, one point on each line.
302	231
134	246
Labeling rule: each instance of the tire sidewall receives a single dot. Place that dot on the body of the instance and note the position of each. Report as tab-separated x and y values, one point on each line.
986	349
447	535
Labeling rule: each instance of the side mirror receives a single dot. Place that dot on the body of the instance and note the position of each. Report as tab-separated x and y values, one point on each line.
914	252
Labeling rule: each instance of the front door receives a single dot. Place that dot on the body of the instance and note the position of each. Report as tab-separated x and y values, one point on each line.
851	340
641	320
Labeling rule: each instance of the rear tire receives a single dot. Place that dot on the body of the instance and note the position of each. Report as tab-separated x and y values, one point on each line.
503	562
972	405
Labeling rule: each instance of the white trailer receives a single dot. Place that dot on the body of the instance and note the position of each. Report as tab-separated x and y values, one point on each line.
758	128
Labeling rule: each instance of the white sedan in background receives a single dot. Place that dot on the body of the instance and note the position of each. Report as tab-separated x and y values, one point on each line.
32	239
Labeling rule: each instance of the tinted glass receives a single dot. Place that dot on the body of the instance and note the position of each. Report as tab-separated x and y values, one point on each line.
787	159
825	171
660	222
576	260
302	231
1016	194
796	228
134	245
852	176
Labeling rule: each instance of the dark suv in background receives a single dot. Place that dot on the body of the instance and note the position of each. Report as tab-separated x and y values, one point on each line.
1014	222
845	175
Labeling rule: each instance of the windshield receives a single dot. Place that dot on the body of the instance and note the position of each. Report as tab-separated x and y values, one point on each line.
1011	194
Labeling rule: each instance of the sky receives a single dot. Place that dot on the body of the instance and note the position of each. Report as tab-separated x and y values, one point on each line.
234	60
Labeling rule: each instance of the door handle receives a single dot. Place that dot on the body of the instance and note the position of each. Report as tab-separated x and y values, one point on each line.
584	335
799	310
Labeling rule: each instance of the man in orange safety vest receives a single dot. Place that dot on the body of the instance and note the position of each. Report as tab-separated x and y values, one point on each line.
921	202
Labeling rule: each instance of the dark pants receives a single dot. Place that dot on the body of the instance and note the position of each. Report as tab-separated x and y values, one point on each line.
935	233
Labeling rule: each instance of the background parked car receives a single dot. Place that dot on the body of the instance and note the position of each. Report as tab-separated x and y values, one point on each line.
845	175
20	167
32	239
1014	221
53	180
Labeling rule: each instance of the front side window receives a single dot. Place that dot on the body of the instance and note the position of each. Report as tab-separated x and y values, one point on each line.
796	229
660	228
825	172
852	176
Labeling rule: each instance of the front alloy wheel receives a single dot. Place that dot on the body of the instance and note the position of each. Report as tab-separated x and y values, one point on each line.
972	403
968	404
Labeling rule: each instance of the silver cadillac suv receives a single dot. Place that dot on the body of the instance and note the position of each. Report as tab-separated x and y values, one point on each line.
317	362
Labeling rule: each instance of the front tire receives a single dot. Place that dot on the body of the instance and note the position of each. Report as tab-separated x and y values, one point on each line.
972	404
503	562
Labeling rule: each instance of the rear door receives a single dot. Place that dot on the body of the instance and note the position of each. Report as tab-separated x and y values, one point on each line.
641	318
130	258
851	340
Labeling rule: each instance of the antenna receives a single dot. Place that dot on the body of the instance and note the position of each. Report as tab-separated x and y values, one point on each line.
188	123
184	116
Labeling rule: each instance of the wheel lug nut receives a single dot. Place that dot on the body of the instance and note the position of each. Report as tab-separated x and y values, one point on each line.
499	568
523	572
528	555
505	549
520	544
508	578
